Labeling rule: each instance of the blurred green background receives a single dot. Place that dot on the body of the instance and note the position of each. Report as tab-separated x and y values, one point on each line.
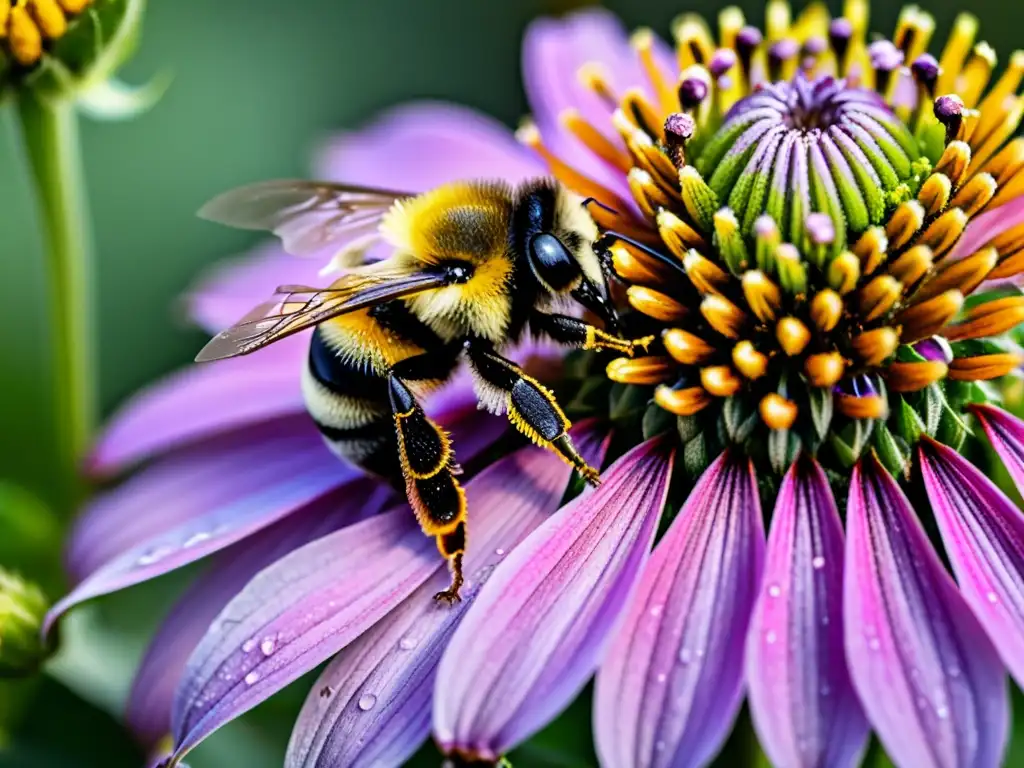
257	84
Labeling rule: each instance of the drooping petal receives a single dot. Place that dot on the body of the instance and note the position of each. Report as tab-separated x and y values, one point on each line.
987	227
804	707
928	677
148	712
672	682
179	487
537	629
371	706
418	146
306	607
255	496
201	401
984	536
1006	433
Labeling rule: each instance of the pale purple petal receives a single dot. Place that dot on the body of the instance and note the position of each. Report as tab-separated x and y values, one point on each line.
277	484
553	52
148	712
1006	433
672	682
804	707
181	486
201	401
928	677
371	706
984	536
304	608
537	629
418	146
987	227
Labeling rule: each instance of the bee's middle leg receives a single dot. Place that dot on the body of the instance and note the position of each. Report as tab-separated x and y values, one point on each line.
428	465
574	332
531	407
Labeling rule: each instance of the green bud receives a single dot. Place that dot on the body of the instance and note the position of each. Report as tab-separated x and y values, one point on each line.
22	608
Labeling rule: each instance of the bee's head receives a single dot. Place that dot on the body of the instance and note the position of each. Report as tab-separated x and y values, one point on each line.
556	234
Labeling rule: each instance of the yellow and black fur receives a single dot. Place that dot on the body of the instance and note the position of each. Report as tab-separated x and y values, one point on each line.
475	265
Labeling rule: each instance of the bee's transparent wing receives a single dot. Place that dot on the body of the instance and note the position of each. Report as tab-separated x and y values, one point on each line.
308	216
300	307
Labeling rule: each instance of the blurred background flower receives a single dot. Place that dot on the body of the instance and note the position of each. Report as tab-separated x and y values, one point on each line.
256	84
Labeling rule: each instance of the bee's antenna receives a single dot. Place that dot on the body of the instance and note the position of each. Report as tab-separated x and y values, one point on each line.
658	255
599	204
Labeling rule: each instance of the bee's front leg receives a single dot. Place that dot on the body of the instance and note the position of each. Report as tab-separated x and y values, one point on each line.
574	332
530	406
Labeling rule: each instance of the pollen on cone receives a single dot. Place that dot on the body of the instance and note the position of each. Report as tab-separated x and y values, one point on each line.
874	346
706	276
763	297
641	370
964	275
904	222
879	296
844	272
911	377
984	367
655	304
682	402
792	335
935	193
825	369
749	361
687	348
720	380
777	412
929	317
679	236
989	319
826	310
955	160
724	316
912	265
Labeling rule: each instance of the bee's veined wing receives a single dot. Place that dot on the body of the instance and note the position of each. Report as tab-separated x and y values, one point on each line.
308	216
302	307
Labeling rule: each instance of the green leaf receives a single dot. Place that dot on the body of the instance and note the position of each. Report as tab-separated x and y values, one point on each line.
821	402
697	455
909	425
739	419
892	451
656	421
951	429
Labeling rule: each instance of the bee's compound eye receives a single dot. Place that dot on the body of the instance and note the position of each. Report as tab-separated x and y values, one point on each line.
457	273
552	262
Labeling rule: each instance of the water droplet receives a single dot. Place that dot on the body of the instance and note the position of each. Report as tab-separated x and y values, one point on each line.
770	637
659	745
825	690
942	712
196	538
267	646
818	563
992	597
407	643
662	677
873	644
774	590
251	678
499	551
954	671
824	620
248	645
154	555
684	656
367	702
656	610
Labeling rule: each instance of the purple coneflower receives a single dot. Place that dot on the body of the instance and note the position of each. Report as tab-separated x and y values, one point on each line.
791	210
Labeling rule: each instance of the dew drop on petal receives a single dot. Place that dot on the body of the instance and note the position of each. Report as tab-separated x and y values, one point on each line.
252	678
499	551
268	646
942	712
662	677
659	745
825	690
818	563
407	643
248	645
774	590
367	702
684	656
656	610
196	538
873	644
770	636
992	597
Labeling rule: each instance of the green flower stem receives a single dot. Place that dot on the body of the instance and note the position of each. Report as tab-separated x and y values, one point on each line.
50	130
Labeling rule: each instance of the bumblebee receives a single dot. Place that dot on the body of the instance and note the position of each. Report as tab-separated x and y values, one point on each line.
473	266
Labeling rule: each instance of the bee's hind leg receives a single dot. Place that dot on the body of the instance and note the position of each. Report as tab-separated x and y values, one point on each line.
531	407
429	468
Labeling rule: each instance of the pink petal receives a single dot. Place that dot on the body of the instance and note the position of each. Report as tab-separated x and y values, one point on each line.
148	712
396	661
418	146
984	536
199	402
537	629
1006	433
182	486
804	707
672	682
987	227
928	678
246	498
554	50
311	604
